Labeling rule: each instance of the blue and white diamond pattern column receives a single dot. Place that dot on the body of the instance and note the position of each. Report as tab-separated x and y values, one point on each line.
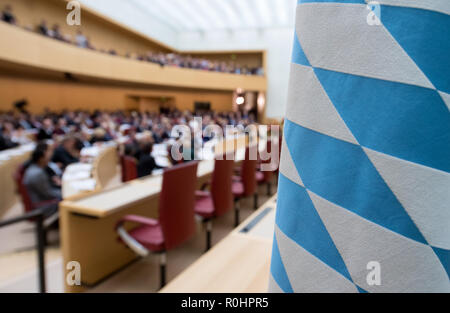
365	165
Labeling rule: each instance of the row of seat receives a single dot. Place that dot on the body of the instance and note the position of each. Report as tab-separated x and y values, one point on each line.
180	202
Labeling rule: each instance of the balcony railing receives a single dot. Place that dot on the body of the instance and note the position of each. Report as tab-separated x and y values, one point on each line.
25	48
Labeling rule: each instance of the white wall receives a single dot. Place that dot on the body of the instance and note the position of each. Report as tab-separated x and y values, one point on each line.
126	13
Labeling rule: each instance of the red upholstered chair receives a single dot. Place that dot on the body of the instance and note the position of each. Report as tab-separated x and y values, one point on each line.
266	177
245	185
129	168
21	189
219	200
122	168
176	223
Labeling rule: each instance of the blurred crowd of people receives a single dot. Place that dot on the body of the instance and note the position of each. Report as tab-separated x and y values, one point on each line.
173	59
163	59
100	126
61	137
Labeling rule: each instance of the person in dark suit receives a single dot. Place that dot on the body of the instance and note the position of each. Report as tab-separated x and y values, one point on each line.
8	16
6	143
146	163
100	135
133	146
67	152
53	177
43	29
46	131
36	178
56	33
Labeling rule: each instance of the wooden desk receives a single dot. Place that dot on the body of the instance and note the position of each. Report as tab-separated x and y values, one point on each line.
105	166
105	203
240	263
87	223
104	169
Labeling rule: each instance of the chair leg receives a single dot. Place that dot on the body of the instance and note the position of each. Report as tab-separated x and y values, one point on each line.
45	237
208	234
162	267
269	189
255	200
236	214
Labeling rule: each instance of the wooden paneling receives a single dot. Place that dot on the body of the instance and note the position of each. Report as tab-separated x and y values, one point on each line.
59	95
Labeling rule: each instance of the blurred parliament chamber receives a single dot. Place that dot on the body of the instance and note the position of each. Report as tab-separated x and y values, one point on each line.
113	75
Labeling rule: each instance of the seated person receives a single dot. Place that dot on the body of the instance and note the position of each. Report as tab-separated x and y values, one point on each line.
159	135
56	33
146	163
133	145
53	171
61	127
43	29
6	142
81	40
54	174
100	135
84	140
20	136
129	151
7	15
36	178
132	150
46	131
6	137
67	152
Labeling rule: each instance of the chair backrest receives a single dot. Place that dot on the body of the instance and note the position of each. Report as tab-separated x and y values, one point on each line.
129	168
248	174
176	204
122	168
221	182
22	189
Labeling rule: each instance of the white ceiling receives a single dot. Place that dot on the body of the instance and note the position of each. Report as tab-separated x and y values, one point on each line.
203	15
